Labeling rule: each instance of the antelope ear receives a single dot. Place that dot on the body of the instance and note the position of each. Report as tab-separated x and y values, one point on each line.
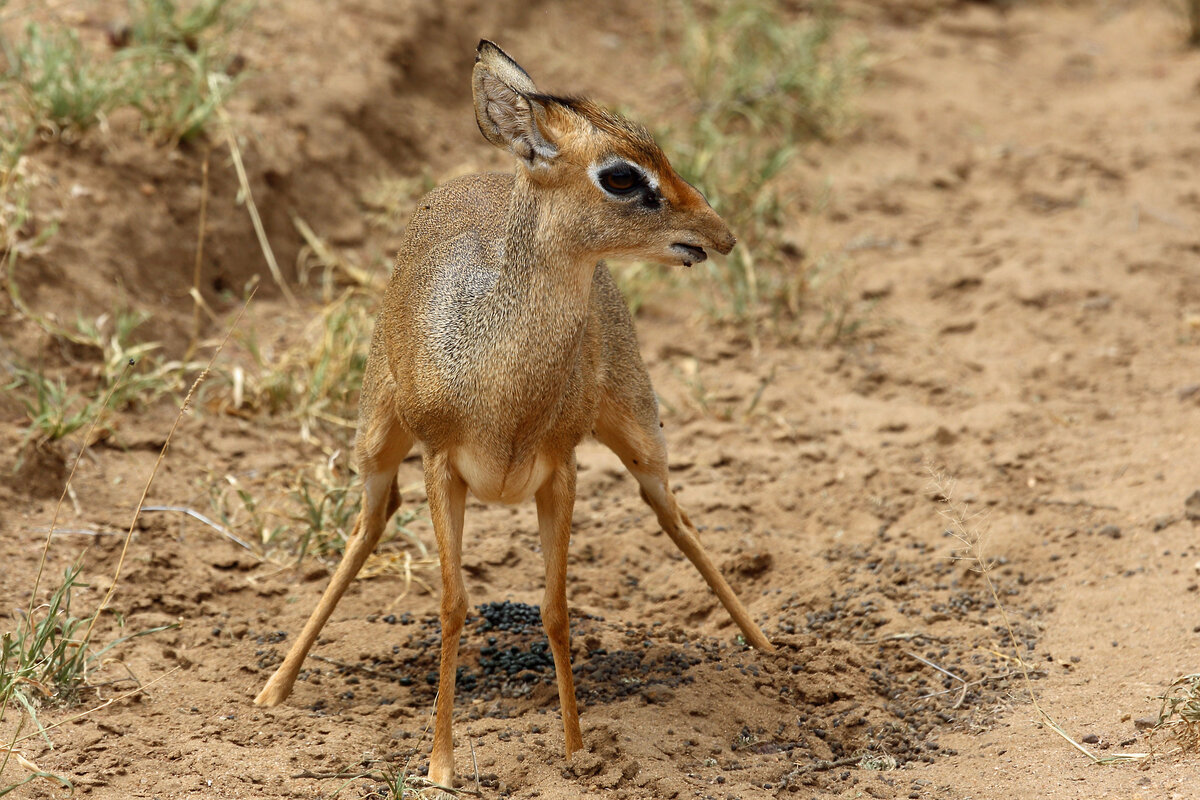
505	108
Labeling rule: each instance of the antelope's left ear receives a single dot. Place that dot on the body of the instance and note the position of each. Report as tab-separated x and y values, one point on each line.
506	110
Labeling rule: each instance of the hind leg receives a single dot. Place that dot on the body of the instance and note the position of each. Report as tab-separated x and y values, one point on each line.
631	430
381	448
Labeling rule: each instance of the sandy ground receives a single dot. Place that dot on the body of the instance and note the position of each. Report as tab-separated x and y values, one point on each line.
1019	214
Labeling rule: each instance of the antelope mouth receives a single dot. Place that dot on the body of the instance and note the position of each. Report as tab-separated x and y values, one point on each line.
688	253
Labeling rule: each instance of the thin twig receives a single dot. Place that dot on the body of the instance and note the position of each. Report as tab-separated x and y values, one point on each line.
255	220
221	529
197	298
958	519
1050	501
902	637
80	532
474	763
187	400
9	748
66	487
103	705
929	663
976	682
391	676
820	765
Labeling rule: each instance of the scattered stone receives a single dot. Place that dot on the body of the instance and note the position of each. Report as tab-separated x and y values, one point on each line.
958	326
1111	531
1091	738
658	695
753	565
1145	723
1191	506
876	290
944	436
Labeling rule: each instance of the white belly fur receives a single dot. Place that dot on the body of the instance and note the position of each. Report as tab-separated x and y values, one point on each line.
510	483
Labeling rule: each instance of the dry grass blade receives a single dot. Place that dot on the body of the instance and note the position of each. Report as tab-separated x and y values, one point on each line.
138	690
964	527
197	298
67	485
196	515
183	407
236	153
1179	716
327	256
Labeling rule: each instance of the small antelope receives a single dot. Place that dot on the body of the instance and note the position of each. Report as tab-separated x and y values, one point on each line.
503	341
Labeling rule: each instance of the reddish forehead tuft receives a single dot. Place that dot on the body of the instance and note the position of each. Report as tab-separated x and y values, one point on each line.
629	140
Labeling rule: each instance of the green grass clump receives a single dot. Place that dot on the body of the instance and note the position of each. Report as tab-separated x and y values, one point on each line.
762	85
180	64
173	67
126	373
327	509
61	86
290	516
54	411
46	660
317	379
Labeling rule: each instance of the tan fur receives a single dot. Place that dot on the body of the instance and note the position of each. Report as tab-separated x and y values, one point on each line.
503	341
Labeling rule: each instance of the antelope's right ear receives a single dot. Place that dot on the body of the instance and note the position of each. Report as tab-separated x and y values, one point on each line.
505	110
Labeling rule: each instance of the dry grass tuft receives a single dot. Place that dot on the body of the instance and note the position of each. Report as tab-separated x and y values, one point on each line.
1179	717
762	82
964	525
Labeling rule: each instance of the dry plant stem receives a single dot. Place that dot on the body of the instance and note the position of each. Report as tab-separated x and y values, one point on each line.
958	518
474	764
196	297
239	167
103	705
985	569
822	766
196	515
187	400
375	673
9	750
66	488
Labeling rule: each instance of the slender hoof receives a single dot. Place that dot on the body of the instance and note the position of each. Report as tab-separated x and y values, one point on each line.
273	693
761	642
442	775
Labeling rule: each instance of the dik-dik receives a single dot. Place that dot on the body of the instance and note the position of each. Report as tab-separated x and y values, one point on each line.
503	341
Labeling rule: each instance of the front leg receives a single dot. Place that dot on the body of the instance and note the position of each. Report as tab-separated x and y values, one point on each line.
555	503
631	431
447	498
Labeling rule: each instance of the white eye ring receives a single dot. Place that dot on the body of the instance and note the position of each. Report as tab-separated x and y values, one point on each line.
647	177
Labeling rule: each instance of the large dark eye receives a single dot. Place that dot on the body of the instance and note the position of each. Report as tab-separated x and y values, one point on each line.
620	179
